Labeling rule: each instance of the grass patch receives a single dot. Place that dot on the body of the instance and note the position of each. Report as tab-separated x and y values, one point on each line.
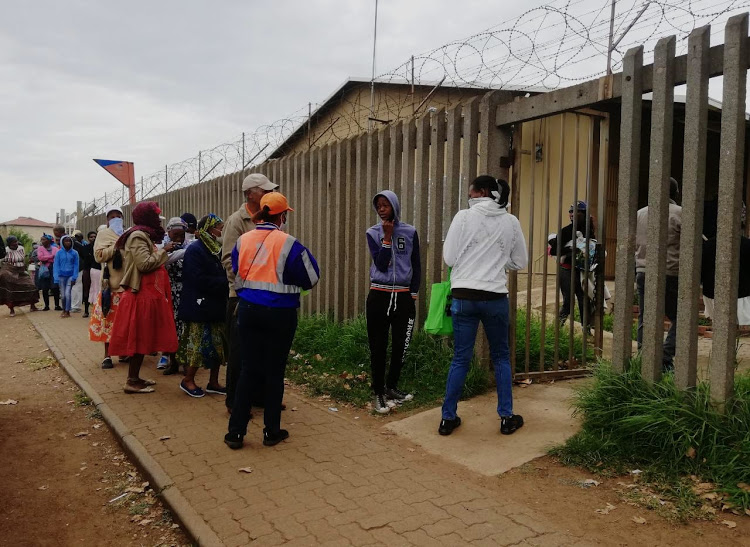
608	324
139	508
81	399
670	434
334	359
535	337
42	363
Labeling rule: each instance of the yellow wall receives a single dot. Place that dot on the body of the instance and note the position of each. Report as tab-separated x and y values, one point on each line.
547	133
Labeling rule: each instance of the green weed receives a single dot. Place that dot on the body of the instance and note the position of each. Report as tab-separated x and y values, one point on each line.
81	399
630	423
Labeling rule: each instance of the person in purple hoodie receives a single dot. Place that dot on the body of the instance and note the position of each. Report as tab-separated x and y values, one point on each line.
394	283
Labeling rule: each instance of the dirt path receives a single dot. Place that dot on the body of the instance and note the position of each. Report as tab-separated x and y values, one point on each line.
61	465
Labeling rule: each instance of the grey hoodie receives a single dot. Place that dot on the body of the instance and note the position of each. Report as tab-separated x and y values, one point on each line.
400	272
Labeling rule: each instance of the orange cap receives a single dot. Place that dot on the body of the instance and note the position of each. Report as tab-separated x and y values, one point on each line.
276	203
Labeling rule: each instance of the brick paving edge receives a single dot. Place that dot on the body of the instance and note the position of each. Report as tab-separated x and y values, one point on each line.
161	482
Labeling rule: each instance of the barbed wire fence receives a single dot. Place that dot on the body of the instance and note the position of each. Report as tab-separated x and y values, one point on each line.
547	47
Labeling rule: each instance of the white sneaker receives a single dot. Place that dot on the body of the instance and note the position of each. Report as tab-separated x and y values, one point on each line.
379	405
163	363
397	396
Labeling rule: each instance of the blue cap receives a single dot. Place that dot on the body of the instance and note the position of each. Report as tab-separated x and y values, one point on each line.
581	206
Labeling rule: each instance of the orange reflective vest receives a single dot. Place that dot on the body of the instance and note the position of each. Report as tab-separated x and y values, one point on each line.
262	256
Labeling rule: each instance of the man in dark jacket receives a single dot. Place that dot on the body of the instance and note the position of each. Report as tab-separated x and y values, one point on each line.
566	268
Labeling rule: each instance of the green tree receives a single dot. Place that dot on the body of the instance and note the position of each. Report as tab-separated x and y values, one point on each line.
24	240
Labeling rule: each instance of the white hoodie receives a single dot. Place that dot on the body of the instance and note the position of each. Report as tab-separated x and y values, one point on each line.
482	243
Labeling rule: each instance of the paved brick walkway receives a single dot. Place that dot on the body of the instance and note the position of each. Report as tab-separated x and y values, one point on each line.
336	481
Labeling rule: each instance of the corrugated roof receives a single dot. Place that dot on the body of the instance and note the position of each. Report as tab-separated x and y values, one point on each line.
27	221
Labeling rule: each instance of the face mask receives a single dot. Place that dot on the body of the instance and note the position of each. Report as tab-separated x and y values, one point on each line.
189	237
116	226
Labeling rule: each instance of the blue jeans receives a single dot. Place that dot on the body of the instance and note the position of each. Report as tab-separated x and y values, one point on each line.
66	285
466	316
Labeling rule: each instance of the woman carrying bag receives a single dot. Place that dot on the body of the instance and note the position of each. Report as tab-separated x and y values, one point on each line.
482	243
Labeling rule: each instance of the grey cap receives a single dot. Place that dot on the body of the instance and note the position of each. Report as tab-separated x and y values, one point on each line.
257	180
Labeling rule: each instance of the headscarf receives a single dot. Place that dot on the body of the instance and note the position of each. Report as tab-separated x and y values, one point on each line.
203	233
146	219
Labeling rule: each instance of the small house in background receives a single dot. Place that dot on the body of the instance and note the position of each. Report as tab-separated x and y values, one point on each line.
347	111
35	228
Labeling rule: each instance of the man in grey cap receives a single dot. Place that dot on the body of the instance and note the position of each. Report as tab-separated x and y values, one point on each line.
253	187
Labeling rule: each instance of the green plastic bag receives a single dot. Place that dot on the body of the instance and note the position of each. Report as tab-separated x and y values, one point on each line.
439	315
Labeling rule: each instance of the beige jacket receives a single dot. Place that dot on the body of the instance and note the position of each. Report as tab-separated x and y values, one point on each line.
237	224
674	228
104	252
140	256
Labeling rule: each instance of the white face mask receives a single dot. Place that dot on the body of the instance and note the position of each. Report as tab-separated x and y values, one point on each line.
116	226
189	236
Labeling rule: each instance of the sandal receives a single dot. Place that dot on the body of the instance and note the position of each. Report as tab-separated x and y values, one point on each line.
128	388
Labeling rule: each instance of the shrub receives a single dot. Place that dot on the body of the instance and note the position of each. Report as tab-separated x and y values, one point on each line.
629	422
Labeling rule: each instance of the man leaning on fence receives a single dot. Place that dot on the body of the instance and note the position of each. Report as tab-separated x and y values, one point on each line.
674	228
253	188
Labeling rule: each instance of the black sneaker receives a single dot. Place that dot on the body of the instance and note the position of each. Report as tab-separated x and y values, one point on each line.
233	440
107	363
397	395
270	439
380	405
447	426
509	424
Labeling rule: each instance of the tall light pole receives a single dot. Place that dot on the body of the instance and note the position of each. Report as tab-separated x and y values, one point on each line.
372	80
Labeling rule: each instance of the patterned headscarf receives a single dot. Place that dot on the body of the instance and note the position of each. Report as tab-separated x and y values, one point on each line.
146	219
203	233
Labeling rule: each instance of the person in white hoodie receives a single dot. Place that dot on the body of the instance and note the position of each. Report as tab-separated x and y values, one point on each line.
482	243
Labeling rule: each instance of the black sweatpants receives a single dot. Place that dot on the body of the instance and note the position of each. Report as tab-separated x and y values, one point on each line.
401	319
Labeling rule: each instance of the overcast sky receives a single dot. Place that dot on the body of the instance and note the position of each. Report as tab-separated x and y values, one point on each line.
155	81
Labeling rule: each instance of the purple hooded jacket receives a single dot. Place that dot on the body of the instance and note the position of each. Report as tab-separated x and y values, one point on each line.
395	267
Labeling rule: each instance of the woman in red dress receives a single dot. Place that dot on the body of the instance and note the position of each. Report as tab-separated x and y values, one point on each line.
144	322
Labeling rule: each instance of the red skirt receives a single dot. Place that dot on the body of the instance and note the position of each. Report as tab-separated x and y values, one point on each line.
145	323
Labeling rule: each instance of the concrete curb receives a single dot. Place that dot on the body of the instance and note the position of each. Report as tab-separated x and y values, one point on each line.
161	482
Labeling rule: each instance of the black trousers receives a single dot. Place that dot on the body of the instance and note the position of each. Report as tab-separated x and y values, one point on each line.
234	362
266	336
567	303
233	343
384	314
55	293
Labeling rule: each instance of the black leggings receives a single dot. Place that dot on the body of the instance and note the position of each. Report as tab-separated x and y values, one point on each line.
379	321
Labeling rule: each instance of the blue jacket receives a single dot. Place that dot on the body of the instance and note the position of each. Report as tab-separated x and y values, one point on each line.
204	286
300	269
66	262
402	272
